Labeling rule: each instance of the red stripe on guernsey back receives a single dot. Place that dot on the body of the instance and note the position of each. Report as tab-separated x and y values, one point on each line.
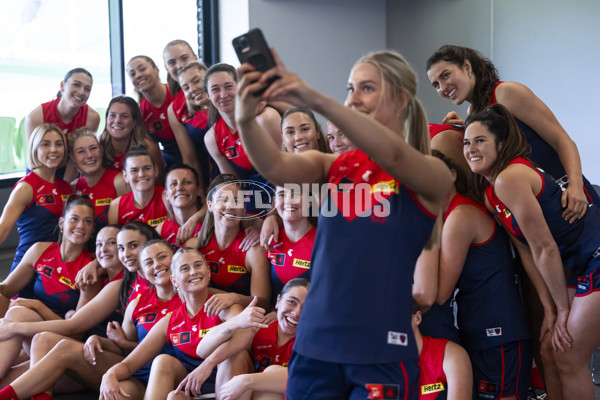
155	118
521	160
459	200
503	370
494	101
434	129
405	380
51	115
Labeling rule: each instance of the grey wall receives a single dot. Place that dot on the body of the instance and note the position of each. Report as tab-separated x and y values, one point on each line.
548	45
321	39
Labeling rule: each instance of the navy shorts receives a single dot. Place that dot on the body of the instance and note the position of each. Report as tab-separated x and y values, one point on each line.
587	283
314	379
502	371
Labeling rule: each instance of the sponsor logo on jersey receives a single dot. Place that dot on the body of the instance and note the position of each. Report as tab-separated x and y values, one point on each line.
385	187
214	267
493	331
102	202
147	319
432	388
66	281
154	222
301	263
45	270
231	152
345	184
486	387
277	259
382	392
203	332
157	125
45	199
236	269
64	197
264	363
397	338
181	338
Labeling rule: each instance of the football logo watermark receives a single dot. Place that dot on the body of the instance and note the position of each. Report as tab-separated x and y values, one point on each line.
253	199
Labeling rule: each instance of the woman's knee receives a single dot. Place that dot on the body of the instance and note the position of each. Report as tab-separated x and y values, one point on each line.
20	313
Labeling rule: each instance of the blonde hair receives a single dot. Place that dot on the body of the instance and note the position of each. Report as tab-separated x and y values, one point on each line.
395	71
34	142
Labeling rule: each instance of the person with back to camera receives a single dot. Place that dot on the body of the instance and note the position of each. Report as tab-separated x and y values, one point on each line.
52	266
445	366
37	199
144	202
125	130
382	111
477	258
529	204
461	74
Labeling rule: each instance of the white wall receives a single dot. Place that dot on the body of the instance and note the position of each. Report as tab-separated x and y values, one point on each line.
548	45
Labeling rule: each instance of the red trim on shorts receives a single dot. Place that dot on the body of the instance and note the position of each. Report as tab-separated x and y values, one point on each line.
405	380
503	371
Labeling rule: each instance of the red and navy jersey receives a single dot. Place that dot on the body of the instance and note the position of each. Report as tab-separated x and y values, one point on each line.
434	129
290	260
578	242
185	333
156	120
55	279
119	162
432	380
230	145
265	351
101	194
371	230
137	287
544	155
148	311
490	310
228	266
52	116
37	223
169	231
116	315
152	214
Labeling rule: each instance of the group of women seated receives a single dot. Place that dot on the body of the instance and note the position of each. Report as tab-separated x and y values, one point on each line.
191	291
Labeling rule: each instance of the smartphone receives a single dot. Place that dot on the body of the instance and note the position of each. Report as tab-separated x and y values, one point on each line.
252	48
